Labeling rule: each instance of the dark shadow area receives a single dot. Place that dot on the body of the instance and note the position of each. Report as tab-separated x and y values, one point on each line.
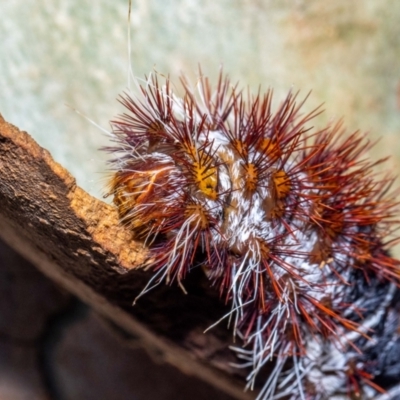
54	347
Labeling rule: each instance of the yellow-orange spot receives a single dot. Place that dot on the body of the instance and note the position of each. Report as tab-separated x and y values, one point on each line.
281	184
264	249
334	222
205	175
330	220
278	209
240	147
363	253
198	215
206	178
270	148
251	177
321	252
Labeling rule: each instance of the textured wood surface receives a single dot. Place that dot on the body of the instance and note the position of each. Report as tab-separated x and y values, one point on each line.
76	240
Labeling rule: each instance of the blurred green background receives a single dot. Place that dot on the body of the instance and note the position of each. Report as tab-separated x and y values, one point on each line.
56	53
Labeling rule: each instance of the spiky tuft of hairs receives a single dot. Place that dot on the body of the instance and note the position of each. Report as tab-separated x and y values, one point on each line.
288	222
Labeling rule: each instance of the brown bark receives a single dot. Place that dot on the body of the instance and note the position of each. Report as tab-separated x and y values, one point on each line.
76	240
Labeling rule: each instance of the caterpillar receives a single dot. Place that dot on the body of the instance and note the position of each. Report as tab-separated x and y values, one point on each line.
292	225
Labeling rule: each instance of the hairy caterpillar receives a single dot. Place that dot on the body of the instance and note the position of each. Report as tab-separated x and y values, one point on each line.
291	225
